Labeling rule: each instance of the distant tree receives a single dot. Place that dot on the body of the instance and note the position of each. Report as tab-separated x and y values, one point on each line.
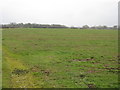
104	27
85	27
12	25
20	25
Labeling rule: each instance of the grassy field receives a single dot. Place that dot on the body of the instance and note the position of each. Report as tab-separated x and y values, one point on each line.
0	58
60	58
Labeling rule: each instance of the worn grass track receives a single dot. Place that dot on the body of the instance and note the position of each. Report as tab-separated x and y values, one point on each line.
19	78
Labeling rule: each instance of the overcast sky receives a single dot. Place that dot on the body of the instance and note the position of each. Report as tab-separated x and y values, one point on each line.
66	12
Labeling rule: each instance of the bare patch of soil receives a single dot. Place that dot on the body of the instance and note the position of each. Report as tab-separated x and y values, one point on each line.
91	86
19	71
88	59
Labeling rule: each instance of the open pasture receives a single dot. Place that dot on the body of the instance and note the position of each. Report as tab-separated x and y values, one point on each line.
60	58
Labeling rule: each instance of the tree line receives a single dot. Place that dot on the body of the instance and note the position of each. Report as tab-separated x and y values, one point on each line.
29	25
33	25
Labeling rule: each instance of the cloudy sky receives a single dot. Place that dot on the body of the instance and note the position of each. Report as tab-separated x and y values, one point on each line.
67	12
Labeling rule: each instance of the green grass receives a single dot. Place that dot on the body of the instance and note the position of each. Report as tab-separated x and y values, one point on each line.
0	58
63	58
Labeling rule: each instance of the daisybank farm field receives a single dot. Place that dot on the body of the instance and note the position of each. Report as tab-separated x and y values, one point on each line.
60	58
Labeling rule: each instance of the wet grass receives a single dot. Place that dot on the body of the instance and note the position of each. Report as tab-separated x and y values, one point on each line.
63	58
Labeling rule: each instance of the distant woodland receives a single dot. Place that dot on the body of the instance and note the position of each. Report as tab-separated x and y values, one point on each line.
33	25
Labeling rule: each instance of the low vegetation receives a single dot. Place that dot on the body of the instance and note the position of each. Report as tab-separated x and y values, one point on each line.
60	58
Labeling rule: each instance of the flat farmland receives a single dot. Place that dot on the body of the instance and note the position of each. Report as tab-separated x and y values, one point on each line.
59	58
